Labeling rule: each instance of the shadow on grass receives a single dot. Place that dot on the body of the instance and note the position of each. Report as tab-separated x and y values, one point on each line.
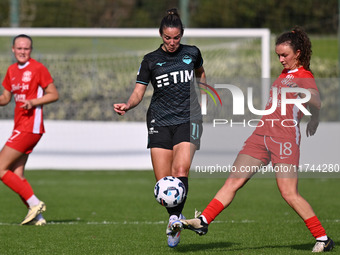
202	247
64	221
228	246
303	247
309	246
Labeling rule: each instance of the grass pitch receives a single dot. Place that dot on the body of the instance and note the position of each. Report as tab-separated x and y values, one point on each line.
114	212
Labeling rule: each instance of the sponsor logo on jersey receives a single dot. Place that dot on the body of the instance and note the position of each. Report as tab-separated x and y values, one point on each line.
186	59
22	87
160	64
177	77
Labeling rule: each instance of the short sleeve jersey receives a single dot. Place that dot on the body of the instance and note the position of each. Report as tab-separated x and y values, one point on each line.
286	126
27	82
172	75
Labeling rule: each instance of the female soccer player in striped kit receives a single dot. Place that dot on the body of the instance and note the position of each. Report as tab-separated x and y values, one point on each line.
174	118
277	143
32	86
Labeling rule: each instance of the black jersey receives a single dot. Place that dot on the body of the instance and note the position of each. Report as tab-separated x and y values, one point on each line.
172	76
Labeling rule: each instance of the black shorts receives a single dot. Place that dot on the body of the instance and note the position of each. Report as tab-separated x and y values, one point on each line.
167	137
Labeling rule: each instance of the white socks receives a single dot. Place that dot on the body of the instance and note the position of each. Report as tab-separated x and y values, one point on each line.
33	201
322	238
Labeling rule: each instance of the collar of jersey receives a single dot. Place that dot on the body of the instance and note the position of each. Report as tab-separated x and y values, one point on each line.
294	70
24	65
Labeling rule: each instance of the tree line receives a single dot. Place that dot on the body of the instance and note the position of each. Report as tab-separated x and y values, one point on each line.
316	16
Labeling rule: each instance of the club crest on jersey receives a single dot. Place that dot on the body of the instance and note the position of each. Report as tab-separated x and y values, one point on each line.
27	76
287	80
186	59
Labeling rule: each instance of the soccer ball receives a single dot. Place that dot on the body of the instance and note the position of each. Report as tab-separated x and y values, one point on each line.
169	191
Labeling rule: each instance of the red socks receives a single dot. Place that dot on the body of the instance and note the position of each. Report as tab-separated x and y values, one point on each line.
213	209
315	227
21	187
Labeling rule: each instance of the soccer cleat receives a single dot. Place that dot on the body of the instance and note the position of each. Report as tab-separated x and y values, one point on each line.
33	212
174	229
322	246
197	225
35	222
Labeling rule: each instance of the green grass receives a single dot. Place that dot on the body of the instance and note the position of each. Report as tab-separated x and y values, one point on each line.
325	48
114	212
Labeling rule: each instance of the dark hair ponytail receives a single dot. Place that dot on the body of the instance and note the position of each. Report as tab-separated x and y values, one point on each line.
298	40
172	19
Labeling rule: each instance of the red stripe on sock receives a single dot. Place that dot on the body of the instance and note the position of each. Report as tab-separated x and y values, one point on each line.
315	227
213	209
20	187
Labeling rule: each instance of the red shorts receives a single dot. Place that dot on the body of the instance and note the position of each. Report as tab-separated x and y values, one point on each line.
274	149
23	141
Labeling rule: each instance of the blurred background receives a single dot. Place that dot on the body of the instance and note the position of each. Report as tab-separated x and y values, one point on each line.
316	16
91	73
106	67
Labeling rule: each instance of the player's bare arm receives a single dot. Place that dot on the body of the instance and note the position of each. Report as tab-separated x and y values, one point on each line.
135	98
5	98
50	95
314	105
201	79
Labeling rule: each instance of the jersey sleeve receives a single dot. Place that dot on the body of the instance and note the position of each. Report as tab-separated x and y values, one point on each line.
7	82
144	74
199	60
307	81
45	77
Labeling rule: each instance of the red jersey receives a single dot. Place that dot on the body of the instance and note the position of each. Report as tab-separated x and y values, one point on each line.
277	124
27	82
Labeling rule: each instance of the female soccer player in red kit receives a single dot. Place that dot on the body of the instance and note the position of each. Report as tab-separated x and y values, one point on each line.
32	86
279	144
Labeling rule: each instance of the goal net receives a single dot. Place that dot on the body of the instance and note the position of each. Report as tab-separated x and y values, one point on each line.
94	68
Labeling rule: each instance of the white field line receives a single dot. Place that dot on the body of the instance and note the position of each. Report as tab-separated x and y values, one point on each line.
79	222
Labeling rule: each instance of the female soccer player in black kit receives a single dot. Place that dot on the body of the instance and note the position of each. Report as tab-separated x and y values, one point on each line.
174	117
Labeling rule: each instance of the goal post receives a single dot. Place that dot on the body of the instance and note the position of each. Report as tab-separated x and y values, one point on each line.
65	68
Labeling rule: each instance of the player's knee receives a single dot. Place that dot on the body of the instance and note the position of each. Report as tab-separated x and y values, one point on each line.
235	184
289	196
180	171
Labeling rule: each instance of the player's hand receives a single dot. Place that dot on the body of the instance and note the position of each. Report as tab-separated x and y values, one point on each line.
312	126
294	85
27	105
121	109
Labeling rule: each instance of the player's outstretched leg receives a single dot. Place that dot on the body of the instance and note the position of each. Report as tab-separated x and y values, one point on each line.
201	221
197	225
322	246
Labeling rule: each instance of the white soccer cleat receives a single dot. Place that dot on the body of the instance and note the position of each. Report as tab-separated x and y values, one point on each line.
323	246
173	230
35	222
33	212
